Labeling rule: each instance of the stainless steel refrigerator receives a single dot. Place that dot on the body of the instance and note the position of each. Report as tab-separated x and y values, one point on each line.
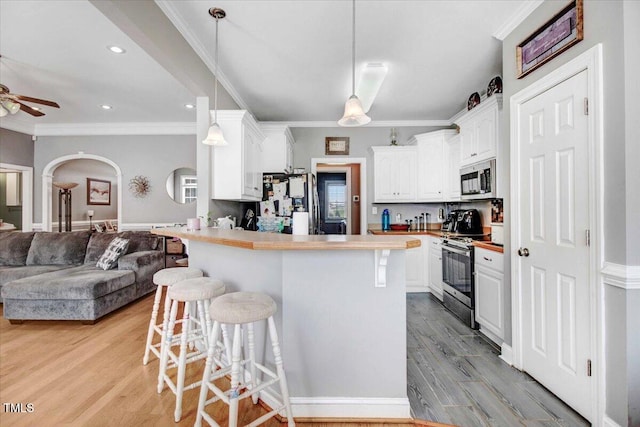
283	194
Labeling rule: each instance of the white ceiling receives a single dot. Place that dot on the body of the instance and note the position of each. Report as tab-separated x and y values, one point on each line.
282	60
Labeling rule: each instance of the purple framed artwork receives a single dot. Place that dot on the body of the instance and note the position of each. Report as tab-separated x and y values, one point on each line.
557	35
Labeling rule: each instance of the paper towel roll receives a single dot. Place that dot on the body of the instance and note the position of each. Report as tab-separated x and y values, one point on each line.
193	223
300	223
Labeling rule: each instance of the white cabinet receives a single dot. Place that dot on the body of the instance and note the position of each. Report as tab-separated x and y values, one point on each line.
417	266
489	293
479	131
278	148
236	168
435	266
395	170
452	169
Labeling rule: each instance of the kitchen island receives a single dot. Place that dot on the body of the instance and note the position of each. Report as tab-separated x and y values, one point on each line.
341	312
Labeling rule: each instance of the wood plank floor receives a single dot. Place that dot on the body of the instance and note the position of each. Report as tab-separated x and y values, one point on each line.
456	377
92	375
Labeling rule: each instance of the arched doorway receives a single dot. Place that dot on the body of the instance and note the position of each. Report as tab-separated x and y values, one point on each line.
47	185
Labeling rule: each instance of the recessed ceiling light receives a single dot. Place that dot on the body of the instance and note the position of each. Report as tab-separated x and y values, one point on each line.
189	106
116	49
106	107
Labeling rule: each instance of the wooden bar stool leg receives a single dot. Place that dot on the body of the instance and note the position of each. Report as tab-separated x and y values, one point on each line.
152	324
204	387
252	363
236	357
284	390
167	334
182	359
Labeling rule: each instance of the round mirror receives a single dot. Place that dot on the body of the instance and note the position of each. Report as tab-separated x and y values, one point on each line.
182	185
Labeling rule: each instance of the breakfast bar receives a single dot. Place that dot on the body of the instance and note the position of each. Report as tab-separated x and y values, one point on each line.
341	312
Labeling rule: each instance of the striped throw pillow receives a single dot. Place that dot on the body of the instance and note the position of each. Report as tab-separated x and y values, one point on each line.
116	249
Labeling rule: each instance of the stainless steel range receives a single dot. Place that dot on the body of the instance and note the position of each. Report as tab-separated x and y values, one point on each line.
458	278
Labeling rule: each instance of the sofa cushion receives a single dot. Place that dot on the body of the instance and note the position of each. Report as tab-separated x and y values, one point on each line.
14	247
66	248
116	249
98	243
11	273
83	282
141	241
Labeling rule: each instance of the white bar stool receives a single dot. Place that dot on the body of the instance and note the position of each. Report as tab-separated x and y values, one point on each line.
164	279
239	309
195	330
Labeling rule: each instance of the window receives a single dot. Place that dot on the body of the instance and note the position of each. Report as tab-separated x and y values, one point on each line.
189	188
335	199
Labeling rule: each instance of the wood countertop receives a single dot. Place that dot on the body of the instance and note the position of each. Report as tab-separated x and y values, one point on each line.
489	246
436	233
275	241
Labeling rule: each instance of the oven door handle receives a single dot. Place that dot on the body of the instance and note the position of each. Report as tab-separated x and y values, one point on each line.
455	250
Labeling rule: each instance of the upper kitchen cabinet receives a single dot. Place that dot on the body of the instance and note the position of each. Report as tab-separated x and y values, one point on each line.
237	167
452	169
433	164
395	174
278	148
479	131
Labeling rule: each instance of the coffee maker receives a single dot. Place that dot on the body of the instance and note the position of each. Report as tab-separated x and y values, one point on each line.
468	222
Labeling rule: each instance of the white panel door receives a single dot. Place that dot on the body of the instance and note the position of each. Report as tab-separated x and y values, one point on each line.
553	177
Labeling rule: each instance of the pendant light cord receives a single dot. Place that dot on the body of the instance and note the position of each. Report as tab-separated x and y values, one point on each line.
215	74
353	51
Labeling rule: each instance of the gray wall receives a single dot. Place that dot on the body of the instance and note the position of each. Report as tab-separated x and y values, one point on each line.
16	148
151	156
614	24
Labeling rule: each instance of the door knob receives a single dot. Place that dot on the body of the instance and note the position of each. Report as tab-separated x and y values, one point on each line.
523	252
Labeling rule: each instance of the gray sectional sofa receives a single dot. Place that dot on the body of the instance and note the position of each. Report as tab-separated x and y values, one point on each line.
53	276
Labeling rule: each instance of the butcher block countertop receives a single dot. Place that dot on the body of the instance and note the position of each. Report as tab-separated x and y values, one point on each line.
436	233
275	241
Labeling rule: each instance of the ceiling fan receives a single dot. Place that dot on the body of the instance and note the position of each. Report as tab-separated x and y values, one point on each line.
10	103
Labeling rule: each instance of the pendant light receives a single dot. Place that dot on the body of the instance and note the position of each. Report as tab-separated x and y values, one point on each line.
215	136
354	114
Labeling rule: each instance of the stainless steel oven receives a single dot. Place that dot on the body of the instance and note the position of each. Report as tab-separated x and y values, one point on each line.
478	181
458	278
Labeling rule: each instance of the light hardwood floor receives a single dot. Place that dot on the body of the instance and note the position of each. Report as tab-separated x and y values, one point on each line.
92	375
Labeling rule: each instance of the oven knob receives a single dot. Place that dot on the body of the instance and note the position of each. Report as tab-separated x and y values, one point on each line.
523	252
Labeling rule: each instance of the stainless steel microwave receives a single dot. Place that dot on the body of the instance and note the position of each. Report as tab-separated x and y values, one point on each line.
478	181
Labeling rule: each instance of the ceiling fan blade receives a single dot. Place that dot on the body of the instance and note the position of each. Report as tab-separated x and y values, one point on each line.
30	110
37	101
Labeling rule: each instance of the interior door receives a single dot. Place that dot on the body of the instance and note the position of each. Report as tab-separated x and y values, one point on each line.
554	253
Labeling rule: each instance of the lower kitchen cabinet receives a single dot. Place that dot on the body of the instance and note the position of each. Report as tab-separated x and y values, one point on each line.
435	266
489	293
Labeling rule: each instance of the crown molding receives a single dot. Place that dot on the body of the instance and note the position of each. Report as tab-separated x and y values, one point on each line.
517	18
184	28
77	129
381	123
17	126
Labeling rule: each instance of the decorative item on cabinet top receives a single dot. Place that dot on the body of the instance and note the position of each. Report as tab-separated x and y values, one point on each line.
495	86
139	186
474	100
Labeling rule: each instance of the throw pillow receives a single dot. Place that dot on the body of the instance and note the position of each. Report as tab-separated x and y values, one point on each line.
115	250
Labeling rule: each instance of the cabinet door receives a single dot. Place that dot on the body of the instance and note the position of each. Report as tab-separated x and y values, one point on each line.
404	176
488	298
289	156
430	170
251	171
414	270
486	134
452	176
467	143
435	268
384	165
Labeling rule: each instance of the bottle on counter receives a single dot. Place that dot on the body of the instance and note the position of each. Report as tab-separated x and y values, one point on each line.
386	225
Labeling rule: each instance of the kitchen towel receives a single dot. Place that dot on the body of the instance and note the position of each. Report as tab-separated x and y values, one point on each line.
300	223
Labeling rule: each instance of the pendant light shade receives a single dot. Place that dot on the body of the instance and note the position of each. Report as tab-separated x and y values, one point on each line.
354	114
215	136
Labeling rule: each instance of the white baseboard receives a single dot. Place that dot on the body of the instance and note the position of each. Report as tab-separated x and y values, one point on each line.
345	407
507	354
608	422
416	289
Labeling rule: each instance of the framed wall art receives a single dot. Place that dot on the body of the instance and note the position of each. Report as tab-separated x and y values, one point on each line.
336	145
557	35
98	192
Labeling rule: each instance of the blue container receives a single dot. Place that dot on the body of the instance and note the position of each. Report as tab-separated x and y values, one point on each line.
386	226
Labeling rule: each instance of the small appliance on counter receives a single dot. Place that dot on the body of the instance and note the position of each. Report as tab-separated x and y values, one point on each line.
497	218
463	221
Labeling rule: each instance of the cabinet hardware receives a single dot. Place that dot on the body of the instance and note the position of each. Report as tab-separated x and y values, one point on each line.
487	259
588	237
586	106
588	367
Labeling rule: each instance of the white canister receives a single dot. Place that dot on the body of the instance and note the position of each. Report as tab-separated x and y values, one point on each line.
300	224
193	223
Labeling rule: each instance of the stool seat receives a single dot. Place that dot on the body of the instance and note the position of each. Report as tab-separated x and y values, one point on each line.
196	289
242	307
169	276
